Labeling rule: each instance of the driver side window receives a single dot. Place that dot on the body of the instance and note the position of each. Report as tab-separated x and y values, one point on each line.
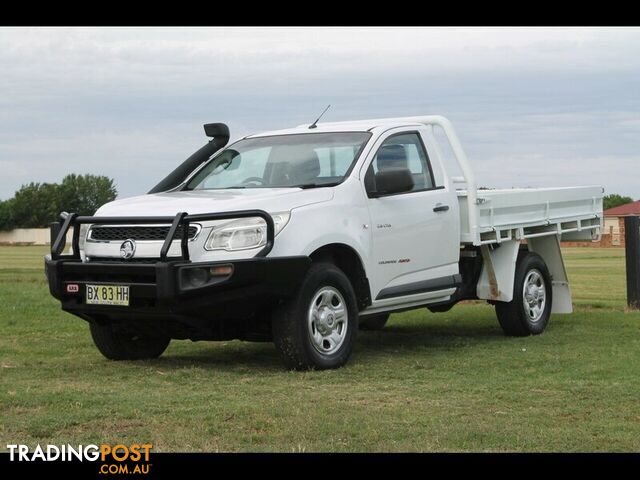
403	150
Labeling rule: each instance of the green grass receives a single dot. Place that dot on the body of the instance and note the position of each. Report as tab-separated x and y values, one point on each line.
428	382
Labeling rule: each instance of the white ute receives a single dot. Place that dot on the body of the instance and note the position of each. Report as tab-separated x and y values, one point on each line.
303	236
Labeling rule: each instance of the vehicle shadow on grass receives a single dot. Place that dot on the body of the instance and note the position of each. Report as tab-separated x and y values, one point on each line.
436	338
230	355
369	344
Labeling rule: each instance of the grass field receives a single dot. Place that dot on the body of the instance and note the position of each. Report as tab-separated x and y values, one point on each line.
428	382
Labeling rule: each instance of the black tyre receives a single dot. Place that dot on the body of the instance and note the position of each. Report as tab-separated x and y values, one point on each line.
529	311
317	327
374	322
117	345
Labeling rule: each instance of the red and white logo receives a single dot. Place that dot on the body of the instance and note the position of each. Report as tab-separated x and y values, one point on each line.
73	288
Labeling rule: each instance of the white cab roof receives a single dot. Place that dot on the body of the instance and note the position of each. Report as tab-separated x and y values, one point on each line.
348	126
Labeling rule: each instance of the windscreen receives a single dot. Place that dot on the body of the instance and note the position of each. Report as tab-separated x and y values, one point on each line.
299	160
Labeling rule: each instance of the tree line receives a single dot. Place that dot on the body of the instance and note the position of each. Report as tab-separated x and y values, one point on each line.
614	200
38	204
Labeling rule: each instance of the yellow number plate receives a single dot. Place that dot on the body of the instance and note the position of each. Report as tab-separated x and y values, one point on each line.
107	295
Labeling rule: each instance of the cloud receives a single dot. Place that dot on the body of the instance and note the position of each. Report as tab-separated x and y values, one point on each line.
531	104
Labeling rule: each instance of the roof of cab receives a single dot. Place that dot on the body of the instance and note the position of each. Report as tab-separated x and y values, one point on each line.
348	126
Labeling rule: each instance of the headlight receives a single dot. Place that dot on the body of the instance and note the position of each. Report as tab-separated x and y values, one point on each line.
84	230
245	233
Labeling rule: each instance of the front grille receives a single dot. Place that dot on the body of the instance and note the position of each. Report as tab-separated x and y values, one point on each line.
107	234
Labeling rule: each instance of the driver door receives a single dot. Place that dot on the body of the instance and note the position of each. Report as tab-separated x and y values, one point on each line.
415	233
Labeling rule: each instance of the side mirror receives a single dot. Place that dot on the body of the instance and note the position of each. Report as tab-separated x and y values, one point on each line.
230	158
392	180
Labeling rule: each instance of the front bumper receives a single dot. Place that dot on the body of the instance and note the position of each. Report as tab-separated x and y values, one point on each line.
157	289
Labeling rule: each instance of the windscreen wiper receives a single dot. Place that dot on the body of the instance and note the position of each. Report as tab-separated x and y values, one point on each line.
316	185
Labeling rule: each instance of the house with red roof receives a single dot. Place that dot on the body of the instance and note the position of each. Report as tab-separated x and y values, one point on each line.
614	221
613	231
632	208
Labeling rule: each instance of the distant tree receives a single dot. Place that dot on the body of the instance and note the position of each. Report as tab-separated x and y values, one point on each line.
614	200
35	205
6	215
38	204
84	194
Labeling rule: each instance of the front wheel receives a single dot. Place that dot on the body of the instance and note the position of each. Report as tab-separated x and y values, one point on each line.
316	328
529	311
122	345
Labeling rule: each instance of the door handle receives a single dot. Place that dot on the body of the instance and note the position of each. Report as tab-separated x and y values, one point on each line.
440	208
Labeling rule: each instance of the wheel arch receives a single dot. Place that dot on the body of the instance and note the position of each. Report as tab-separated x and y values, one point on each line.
348	260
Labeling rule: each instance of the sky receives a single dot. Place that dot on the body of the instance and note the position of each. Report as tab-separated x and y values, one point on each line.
533	107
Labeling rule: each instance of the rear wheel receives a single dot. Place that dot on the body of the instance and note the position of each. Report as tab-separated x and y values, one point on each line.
316	328
529	311
374	322
121	345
